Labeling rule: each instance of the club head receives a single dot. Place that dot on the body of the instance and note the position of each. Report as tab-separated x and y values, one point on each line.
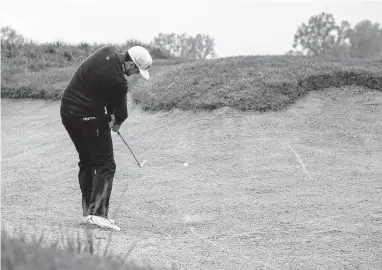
142	164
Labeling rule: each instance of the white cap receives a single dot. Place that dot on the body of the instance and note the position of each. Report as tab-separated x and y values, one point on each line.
142	58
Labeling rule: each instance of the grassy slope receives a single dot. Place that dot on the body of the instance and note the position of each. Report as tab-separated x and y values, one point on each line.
251	83
257	83
45	84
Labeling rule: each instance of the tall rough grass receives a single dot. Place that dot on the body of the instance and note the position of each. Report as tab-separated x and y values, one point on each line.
30	56
24	252
49	83
41	71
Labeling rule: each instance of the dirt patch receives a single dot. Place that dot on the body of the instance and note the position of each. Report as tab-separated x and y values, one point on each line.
295	189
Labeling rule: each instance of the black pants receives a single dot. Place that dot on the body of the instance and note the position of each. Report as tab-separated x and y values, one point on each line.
94	145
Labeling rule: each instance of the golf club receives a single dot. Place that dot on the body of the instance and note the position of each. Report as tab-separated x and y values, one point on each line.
139	164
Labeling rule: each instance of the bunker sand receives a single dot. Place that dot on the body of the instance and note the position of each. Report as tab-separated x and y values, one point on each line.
294	189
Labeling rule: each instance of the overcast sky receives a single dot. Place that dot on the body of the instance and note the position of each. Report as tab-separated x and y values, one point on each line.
239	27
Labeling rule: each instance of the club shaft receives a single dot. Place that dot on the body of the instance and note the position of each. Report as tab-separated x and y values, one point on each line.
131	151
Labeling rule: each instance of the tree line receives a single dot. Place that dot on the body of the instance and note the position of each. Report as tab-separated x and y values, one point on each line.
200	46
320	36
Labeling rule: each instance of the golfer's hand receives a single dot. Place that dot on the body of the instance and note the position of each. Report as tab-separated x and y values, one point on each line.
112	121
113	126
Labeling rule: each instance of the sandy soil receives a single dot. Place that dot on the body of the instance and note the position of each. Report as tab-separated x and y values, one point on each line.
295	189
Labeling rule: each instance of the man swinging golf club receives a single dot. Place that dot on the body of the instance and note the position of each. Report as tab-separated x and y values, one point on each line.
93	102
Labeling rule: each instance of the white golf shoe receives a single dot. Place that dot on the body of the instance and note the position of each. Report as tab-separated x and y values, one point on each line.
112	221
86	218
101	222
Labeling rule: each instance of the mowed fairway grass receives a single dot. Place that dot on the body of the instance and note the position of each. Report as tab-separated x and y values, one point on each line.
294	186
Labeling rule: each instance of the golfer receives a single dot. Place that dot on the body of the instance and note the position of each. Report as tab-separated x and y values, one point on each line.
93	103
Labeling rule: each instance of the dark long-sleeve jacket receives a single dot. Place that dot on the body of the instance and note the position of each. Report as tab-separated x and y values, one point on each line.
98	84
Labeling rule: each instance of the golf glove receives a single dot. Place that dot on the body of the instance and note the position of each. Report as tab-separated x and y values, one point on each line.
114	127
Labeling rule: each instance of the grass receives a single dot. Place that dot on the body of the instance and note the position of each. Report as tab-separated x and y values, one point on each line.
257	83
70	253
41	71
49	83
44	84
35	57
